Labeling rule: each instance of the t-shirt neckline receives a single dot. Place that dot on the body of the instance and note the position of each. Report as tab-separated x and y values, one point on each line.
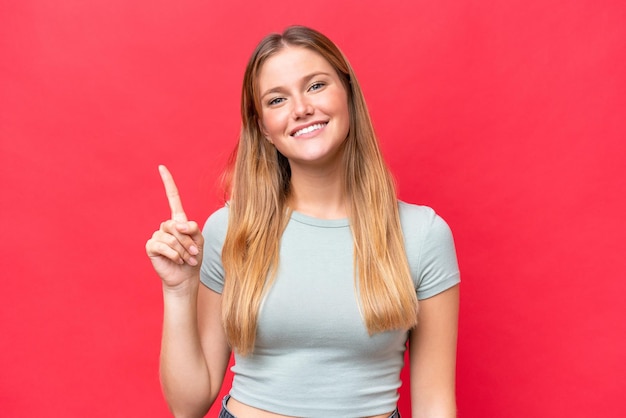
319	222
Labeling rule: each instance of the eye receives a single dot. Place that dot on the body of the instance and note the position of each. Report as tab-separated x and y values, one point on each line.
275	101
316	86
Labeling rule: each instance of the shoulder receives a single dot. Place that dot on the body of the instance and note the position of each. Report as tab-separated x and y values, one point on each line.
217	223
413	212
420	220
429	248
214	232
219	217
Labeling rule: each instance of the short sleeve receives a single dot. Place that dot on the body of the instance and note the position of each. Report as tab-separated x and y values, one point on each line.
214	232
430	250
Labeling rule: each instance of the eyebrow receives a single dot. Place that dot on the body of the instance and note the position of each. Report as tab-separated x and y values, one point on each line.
304	79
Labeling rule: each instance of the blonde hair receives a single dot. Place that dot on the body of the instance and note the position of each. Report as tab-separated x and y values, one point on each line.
259	185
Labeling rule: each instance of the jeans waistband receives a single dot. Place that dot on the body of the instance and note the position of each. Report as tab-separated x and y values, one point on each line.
225	413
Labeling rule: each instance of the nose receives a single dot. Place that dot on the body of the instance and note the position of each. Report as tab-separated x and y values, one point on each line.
302	107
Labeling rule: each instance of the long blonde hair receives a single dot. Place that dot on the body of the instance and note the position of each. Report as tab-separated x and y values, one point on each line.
258	189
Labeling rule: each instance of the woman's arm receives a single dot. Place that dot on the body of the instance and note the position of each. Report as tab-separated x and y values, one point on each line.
432	348
194	352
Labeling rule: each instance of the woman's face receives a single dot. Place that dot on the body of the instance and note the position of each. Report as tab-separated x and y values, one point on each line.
304	107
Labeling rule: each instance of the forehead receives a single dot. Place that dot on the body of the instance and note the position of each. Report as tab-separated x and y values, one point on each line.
290	65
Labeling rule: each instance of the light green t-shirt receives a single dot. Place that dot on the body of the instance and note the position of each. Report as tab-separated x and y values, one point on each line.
313	356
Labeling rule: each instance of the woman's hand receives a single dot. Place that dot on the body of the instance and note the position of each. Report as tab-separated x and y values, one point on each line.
175	249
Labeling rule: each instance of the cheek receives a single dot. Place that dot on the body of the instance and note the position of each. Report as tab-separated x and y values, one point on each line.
340	103
344	110
272	123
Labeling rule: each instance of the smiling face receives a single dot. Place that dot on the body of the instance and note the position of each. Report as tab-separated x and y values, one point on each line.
304	107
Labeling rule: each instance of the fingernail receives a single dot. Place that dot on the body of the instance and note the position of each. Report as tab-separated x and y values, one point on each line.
193	250
192	261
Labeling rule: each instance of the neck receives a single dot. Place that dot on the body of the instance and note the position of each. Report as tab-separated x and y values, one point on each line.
318	193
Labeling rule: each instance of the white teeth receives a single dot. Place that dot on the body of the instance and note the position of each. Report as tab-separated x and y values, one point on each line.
309	129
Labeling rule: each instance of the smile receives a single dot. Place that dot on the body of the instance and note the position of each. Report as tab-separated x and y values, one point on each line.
308	129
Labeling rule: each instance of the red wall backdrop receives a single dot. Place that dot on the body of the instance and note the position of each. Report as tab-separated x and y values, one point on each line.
509	118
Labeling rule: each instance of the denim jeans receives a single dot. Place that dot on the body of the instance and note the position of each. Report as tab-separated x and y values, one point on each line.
225	413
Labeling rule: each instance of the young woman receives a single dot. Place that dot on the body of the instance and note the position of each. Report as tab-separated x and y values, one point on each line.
312	271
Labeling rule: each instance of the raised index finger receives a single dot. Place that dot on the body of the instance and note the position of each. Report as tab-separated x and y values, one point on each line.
178	214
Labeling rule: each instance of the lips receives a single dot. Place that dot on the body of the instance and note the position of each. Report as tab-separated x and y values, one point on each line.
308	129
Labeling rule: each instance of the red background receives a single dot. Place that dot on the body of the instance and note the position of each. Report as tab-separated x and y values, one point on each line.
507	117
